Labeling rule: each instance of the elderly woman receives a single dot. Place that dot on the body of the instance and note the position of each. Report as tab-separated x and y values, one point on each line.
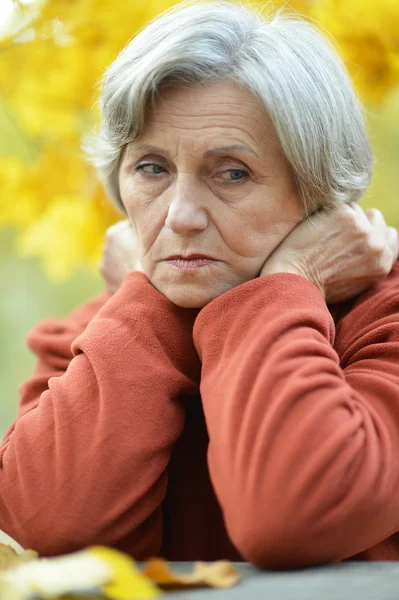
235	391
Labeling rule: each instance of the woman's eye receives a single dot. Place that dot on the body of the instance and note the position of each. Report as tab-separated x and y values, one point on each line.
151	165
235	175
153	169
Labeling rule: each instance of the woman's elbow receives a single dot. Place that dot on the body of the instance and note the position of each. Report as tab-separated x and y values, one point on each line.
275	543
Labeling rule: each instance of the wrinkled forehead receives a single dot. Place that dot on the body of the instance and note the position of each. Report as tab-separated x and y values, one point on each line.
198	118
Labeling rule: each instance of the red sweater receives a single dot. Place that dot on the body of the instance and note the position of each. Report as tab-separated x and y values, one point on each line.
300	402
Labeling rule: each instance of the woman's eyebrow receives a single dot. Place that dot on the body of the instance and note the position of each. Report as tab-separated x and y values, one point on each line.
150	148
228	148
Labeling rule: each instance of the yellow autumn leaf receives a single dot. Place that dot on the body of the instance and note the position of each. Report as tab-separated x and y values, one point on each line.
127	582
96	570
9	558
7	540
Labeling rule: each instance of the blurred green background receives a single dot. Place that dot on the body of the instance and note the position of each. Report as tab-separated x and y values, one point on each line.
27	296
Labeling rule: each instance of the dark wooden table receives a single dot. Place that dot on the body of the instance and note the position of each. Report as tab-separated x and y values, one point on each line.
342	581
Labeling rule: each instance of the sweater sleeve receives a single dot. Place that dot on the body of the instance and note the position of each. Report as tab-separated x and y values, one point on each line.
304	449
87	465
51	341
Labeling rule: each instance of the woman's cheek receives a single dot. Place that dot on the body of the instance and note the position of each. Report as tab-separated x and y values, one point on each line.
148	223
136	201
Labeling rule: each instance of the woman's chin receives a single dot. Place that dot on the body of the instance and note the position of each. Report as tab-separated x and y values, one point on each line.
186	295
189	304
186	298
193	290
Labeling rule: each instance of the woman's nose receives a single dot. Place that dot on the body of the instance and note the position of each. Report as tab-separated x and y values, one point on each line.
186	212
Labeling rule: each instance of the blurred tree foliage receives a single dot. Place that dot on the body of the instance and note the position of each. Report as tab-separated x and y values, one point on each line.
50	62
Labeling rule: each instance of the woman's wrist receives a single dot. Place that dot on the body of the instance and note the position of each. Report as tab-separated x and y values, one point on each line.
277	266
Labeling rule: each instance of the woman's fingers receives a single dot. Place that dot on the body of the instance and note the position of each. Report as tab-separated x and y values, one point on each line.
361	217
389	234
377	220
373	225
120	254
393	242
120	228
382	238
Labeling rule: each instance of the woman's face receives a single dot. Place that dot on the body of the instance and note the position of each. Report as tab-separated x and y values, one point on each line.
214	182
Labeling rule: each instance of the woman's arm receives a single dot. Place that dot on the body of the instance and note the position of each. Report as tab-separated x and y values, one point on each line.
51	341
304	453
87	465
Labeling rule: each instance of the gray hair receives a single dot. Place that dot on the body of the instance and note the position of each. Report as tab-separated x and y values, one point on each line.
284	61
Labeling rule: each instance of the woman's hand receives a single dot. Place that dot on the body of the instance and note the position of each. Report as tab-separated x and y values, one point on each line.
342	252
120	255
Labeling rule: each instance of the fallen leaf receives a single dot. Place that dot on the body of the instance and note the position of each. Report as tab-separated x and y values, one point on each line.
127	582
94	571
218	574
9	541
10	558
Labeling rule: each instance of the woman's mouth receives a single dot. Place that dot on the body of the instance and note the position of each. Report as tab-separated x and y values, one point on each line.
185	264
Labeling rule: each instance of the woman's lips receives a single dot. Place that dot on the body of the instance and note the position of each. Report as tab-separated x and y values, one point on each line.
185	264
